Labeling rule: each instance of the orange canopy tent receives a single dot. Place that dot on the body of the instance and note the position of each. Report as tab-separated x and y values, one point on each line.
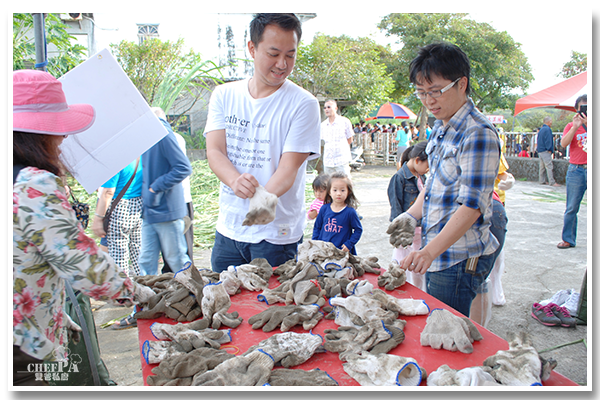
562	95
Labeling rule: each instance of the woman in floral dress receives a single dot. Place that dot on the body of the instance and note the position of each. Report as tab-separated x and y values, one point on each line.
49	243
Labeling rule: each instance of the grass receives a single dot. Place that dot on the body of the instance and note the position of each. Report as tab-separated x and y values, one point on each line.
551	197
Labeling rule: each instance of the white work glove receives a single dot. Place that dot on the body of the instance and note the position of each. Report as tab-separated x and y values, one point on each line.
507	183
262	208
472	376
230	280
289	348
215	306
384	370
162	331
366	308
393	278
448	331
248	275
359	287
402	230
521	365
402	306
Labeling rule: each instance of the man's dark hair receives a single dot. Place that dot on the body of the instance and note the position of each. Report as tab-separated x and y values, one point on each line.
287	22
442	59
581	98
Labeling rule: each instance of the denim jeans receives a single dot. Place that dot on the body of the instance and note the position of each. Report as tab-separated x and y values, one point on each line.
576	187
228	252
455	286
166	237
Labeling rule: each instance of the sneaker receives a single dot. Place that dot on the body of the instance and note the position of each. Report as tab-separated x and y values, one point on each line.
544	315
563	314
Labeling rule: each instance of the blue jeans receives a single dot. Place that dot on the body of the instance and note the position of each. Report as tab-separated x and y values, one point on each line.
455	286
166	237
228	252
576	187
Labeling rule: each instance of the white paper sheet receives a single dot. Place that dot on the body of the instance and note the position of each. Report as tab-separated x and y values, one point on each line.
124	128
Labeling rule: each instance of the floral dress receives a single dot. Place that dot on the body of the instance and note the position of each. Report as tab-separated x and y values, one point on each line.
49	243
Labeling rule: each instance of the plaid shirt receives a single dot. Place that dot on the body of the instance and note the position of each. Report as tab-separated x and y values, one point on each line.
463	162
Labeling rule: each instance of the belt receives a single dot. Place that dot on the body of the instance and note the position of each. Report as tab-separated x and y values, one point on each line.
580	165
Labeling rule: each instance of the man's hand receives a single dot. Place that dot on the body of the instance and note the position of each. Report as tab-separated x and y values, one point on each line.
245	186
262	208
418	261
579	119
98	227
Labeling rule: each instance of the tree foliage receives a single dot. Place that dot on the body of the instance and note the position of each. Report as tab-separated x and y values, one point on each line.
576	65
498	65
69	55
344	69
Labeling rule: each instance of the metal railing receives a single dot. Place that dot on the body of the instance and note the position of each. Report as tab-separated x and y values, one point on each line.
381	148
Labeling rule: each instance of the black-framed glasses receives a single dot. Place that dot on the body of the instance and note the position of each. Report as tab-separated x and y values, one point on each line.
434	94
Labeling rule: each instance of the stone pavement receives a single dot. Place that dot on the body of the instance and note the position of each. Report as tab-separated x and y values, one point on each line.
535	270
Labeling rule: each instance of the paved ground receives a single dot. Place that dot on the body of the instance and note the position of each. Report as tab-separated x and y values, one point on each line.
535	270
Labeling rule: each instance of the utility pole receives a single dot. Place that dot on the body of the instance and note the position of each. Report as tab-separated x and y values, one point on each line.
40	41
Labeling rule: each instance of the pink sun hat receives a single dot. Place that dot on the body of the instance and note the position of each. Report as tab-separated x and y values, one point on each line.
40	106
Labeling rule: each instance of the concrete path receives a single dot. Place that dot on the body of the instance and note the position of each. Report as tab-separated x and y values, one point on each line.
535	270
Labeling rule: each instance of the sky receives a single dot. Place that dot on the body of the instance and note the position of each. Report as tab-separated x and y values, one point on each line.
547	31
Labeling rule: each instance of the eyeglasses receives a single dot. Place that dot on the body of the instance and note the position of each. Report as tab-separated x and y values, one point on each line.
434	94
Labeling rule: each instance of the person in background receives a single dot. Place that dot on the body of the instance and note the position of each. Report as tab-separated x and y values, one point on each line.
403	189
525	151
50	246
124	238
336	132
575	138
337	221
403	139
319	186
545	150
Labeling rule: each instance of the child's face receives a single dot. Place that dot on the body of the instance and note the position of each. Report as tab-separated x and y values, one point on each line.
339	191
320	193
422	167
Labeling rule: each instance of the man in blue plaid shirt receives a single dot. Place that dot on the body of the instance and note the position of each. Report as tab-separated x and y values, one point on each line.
455	208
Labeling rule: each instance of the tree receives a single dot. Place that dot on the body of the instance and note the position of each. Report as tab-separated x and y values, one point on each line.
498	65
576	65
69	55
344	68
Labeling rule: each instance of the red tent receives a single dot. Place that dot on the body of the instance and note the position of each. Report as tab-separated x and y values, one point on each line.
562	95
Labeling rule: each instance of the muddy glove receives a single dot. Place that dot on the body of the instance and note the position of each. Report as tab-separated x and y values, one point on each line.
344	317
162	331
446	330
230	281
160	304
289	348
275	295
364	264
305	293
156	351
262	208
472	376
347	272
334	286
520	365
179	369
299	377
507	183
393	278
384	370
287	270
366	307
349	341
402	230
215	304
248	275
189	277
141	293
191	339
252	369
401	306
359	287
287	317
386	346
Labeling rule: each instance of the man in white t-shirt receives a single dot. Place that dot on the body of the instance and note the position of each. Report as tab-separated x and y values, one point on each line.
336	132
261	131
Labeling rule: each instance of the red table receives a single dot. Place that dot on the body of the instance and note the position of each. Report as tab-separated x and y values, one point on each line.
428	358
